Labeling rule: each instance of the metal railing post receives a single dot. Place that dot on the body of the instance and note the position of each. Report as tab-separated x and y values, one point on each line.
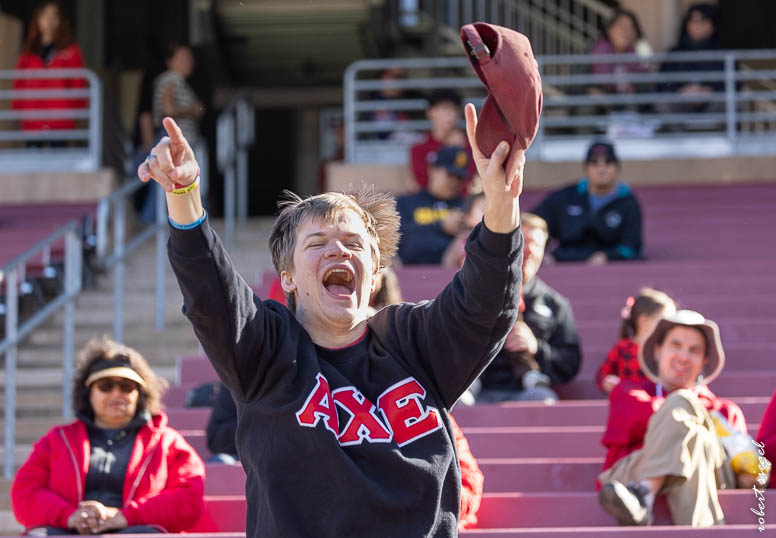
349	112
229	195
103	212
73	261
242	184
11	326
118	275
730	96
161	218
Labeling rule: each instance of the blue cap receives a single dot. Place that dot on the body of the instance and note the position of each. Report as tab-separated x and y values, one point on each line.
454	159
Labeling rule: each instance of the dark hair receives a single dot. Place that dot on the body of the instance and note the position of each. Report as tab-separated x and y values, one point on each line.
470	200
708	11
647	303
63	37
624	13
100	349
444	96
661	338
390	292
172	48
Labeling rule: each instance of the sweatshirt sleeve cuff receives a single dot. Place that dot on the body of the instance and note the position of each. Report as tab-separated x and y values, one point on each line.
192	239
499	244
189	226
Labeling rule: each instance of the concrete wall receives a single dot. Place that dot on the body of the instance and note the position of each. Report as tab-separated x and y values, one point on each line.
397	178
48	187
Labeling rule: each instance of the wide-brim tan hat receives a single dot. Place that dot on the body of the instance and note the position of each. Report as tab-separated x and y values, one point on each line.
113	368
687	318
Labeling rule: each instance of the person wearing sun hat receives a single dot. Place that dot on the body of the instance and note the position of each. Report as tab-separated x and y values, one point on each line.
118	467
663	434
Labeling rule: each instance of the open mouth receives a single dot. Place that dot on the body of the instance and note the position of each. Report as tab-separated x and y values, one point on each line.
339	282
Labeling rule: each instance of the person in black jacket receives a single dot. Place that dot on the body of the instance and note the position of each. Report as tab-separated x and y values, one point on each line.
698	32
597	219
221	428
542	350
343	423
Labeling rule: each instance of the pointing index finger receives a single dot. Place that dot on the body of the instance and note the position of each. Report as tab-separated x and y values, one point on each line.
175	133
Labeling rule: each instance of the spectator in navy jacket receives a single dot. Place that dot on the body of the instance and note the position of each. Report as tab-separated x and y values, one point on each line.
597	219
431	218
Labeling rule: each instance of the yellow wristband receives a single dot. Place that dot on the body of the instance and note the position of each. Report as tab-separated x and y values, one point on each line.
188	188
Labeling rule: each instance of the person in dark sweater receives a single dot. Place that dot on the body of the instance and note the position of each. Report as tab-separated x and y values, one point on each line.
542	349
597	219
343	425
431	218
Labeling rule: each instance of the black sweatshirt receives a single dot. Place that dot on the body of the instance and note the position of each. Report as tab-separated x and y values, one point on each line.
353	441
615	229
548	314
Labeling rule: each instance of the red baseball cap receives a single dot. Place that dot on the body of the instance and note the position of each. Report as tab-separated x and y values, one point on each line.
504	61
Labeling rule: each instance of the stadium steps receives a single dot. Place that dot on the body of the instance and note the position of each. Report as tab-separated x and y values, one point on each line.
540	461
39	378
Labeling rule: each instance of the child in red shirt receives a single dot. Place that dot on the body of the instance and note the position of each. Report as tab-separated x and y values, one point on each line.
639	316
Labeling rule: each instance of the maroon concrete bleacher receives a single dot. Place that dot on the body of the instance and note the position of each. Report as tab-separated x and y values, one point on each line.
518	510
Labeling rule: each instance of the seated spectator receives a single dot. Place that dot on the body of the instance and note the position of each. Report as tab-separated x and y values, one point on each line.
622	35
639	317
668	435
431	218
118	467
473	210
543	347
597	219
222	427
49	45
444	113
766	436
698	32
389	92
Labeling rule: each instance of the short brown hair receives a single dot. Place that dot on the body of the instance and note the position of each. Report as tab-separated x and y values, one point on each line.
534	221
100	349
376	209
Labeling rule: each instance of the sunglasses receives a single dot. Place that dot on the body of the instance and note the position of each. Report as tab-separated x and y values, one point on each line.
106	385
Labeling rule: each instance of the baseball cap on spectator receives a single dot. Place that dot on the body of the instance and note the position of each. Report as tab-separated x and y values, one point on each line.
454	159
601	148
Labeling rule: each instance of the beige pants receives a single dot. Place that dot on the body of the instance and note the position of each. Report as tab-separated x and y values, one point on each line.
682	445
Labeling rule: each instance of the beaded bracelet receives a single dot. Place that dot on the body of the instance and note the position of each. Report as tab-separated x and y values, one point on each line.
185	189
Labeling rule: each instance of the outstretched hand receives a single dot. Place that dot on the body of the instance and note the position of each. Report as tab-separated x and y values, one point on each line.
502	187
171	161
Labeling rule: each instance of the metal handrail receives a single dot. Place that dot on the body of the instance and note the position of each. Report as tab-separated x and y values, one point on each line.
15	332
115	204
598	110
87	159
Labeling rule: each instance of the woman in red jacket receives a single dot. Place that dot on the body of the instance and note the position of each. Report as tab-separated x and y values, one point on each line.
49	45
118	467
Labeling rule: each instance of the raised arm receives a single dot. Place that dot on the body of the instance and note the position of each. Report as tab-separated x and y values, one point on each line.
235	329
456	335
